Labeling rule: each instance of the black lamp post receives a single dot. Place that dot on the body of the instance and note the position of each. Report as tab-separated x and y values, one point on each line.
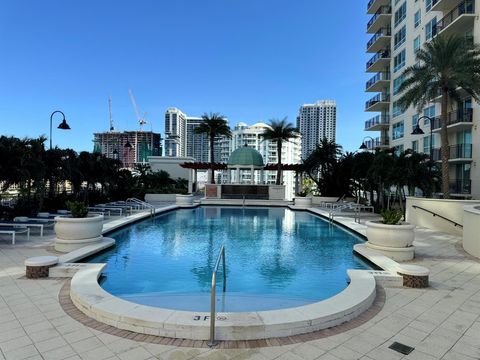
418	131
115	154
364	146
63	125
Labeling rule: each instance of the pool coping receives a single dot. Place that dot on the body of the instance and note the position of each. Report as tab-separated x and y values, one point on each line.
88	296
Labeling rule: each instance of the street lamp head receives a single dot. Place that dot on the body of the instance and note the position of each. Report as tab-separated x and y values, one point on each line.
363	146
128	145
417	130
63	125
115	152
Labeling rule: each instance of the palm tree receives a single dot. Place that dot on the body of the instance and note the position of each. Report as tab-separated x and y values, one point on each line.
320	164
444	65
213	125
278	132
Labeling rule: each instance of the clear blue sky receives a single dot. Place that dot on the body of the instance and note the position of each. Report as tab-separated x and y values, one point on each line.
251	60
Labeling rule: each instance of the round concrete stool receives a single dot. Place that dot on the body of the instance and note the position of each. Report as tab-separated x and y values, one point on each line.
414	276
37	267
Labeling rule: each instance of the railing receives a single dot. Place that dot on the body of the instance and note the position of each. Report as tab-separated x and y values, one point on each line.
213	313
384	54
377	120
142	204
378	142
454	117
376	99
383	10
459	151
438	215
381	76
380	33
466	7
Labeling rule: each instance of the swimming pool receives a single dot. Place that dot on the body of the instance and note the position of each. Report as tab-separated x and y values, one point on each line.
276	258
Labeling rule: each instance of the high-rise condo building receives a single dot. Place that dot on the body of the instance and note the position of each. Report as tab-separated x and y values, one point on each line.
399	28
181	139
175	133
316	122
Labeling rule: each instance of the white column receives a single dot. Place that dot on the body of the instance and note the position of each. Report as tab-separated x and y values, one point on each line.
252	175
237	175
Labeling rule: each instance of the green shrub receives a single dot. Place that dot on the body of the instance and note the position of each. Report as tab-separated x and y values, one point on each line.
77	208
391	217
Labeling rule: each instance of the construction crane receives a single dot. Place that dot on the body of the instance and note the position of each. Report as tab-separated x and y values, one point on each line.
112	128
141	120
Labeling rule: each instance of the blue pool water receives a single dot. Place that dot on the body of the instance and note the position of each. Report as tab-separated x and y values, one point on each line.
276	258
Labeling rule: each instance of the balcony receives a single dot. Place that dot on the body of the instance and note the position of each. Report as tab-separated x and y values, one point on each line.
380	40
379	61
380	19
461	186
444	5
459	120
459	20
378	82
380	102
374	5
377	123
377	143
458	153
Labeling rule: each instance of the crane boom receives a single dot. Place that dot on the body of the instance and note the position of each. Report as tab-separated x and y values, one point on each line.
141	121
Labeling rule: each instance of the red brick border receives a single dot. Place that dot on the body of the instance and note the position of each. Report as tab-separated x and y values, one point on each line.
68	306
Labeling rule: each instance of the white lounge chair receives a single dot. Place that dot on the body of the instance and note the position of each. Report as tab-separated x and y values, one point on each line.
13	231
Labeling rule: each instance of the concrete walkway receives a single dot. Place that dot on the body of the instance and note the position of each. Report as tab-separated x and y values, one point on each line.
441	322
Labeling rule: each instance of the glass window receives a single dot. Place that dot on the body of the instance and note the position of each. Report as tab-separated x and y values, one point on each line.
416	44
415	145
397	109
401	13
414	121
399	61
430	112
397	83
417	18
430	29
428	5
399	37
397	130
398	149
426	144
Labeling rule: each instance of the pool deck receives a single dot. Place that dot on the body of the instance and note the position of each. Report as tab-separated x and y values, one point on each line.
440	322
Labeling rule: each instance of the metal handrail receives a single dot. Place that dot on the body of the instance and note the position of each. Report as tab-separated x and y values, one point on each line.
213	315
143	204
440	216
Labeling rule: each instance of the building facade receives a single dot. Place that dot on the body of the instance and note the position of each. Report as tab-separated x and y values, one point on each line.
130	147
252	136
175	133
316	122
398	29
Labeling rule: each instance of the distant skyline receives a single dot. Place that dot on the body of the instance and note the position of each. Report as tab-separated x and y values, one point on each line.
249	60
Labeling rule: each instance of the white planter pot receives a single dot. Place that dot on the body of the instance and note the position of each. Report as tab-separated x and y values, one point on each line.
304	202
184	200
394	241
74	233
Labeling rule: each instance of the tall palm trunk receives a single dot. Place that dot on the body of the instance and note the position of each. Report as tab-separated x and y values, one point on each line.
444	147
212	159
279	163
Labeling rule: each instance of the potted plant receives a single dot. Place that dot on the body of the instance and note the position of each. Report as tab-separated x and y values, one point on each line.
184	199
78	229
391	236
303	199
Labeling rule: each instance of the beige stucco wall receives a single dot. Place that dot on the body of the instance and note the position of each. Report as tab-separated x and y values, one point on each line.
172	166
451	209
471	230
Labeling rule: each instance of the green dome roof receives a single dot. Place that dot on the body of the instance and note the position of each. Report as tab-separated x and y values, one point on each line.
246	156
